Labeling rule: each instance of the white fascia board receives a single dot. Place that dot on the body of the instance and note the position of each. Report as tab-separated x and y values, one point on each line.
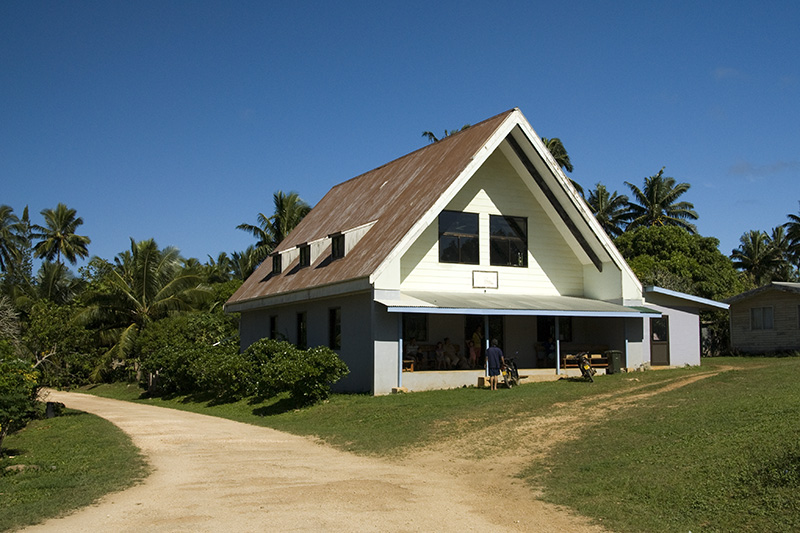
478	159
578	202
702	302
315	293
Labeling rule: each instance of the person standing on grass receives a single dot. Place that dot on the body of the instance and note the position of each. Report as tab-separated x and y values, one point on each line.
495	360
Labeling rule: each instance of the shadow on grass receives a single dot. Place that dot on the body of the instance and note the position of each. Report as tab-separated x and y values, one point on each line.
283	405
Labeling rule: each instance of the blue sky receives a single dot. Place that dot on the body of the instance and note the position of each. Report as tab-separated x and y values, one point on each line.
178	120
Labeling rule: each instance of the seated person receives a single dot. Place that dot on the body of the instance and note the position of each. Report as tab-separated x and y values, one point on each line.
441	360
450	353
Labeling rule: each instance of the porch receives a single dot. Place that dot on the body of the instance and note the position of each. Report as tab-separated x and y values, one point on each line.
456	379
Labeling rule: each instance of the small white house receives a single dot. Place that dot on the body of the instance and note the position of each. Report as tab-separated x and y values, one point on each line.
477	236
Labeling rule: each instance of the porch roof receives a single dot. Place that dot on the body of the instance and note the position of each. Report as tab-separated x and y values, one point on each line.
507	304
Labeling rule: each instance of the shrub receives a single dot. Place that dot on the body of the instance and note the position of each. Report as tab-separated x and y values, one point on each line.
19	388
307	375
222	371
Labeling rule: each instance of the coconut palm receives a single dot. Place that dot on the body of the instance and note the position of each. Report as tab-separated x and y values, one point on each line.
658	206
143	285
56	283
610	209
270	231
10	237
793	234
559	153
447	133
756	256
245	263
58	236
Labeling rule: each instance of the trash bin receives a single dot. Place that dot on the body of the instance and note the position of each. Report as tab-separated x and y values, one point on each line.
614	358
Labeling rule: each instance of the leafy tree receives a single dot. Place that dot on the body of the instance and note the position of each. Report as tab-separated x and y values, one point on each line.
657	205
19	389
610	209
271	230
447	133
57	237
694	263
143	285
219	270
65	352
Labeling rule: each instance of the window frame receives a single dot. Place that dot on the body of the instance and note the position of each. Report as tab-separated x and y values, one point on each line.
502	244
463	239
277	264
304	255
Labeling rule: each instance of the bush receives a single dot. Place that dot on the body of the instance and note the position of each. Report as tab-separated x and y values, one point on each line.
19	388
307	375
222	371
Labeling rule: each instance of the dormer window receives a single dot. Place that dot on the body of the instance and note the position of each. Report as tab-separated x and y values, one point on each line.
277	264
337	246
305	255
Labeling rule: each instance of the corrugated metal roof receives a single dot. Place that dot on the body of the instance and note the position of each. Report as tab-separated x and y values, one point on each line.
508	304
783	286
394	196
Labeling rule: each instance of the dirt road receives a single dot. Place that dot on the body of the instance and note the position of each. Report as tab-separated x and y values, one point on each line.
211	474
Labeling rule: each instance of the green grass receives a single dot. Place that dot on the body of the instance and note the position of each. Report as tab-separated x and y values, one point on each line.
78	458
720	454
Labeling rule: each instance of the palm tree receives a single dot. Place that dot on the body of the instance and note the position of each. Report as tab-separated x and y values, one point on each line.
657	204
610	209
756	256
143	285
270	231
58	236
559	153
245	263
56	283
10	237
793	234
447	133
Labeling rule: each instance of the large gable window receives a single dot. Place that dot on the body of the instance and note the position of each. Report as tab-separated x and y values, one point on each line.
508	241
458	238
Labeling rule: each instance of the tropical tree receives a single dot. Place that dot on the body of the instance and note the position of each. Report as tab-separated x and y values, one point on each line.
57	237
793	234
143	285
756	256
10	237
610	209
447	133
657	205
559	153
271	230
246	262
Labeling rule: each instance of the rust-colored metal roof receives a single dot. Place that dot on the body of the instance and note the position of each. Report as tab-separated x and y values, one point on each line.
394	196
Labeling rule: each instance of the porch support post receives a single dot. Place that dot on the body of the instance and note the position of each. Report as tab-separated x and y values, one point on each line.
486	343
558	347
399	350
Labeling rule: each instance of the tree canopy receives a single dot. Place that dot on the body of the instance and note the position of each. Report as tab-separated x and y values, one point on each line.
657	205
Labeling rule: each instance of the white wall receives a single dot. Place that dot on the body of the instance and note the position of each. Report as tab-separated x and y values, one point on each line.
497	189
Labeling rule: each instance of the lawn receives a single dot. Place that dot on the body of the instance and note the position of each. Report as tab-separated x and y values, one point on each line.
71	461
718	454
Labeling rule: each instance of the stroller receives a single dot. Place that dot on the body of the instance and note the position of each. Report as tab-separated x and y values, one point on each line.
510	373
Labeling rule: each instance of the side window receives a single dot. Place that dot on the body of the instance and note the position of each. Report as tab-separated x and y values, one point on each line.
458	238
761	318
508	241
277	264
335	328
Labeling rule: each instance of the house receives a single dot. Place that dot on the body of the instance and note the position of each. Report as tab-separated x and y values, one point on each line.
766	319
477	236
